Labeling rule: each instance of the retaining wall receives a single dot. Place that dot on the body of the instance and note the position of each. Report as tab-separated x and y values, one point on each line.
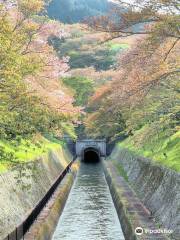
23	187
45	225
157	187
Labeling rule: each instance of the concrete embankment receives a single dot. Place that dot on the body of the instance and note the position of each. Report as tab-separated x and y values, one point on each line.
157	187
22	188
45	224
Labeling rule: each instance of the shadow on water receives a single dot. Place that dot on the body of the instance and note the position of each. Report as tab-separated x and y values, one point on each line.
89	212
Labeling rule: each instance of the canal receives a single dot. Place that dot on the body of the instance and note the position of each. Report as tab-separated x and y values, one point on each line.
89	213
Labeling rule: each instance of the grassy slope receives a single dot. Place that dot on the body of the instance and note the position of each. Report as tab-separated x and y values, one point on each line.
28	150
165	151
115	47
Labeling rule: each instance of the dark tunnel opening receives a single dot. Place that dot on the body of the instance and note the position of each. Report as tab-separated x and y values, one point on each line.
91	156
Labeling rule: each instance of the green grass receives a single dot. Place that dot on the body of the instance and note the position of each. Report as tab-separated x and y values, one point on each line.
28	150
116	47
165	151
73	54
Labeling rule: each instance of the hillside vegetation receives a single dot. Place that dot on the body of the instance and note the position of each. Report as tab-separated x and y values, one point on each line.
114	76
141	103
32	99
20	151
92	60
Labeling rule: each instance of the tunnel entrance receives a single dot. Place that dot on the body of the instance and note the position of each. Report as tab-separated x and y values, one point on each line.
91	156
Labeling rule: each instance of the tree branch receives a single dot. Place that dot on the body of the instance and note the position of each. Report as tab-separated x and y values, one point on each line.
171	48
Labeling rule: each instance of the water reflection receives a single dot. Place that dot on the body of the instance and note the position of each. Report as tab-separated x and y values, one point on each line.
89	213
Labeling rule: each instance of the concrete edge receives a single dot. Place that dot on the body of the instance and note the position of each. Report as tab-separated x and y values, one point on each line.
45	225
131	212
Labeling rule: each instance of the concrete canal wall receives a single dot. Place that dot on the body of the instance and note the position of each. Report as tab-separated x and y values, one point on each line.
44	226
157	187
24	186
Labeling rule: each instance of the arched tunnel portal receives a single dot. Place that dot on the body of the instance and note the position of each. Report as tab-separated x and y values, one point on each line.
89	150
91	155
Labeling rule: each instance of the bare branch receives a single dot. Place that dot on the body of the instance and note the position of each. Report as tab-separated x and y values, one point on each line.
171	48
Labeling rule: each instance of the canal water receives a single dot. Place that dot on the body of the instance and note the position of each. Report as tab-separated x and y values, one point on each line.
89	213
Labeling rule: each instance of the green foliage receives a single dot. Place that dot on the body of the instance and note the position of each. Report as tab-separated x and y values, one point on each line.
23	114
160	107
154	125
103	124
82	87
27	116
101	60
69	130
6	156
21	150
162	149
117	47
17	107
85	52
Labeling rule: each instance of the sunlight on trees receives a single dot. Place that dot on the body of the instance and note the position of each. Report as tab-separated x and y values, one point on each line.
28	63
141	90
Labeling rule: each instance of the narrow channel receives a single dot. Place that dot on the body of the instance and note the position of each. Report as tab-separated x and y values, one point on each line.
89	212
